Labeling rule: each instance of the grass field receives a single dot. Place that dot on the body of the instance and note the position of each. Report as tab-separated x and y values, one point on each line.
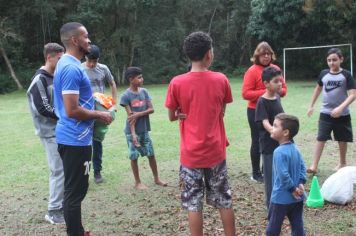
115	208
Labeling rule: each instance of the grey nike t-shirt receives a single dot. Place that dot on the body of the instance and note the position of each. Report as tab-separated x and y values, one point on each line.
335	87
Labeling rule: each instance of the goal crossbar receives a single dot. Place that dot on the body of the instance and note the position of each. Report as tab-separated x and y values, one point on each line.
312	47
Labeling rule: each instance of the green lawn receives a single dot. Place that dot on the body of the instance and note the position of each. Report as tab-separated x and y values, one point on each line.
115	208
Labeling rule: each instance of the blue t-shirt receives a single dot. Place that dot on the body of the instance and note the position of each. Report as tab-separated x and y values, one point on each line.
138	102
70	78
288	172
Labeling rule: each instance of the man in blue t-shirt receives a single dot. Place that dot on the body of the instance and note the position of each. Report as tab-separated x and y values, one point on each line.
74	107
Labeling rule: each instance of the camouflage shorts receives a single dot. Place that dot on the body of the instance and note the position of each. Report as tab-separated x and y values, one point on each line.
194	183
146	148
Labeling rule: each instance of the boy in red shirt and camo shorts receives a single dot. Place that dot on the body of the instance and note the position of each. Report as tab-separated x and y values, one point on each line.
198	99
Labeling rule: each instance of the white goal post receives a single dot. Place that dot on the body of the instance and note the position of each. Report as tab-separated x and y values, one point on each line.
312	47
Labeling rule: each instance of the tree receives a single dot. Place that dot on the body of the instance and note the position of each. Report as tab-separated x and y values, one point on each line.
328	22
6	33
150	33
111	25
276	21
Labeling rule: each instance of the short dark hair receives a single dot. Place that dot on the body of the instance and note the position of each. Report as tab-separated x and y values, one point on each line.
132	72
52	49
69	30
337	51
289	122
94	52
270	72
196	45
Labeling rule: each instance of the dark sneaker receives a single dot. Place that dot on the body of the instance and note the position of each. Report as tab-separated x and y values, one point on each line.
87	233
258	178
55	217
98	178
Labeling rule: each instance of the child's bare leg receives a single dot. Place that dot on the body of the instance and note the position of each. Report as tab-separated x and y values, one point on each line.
195	223
153	165
228	220
342	150
134	167
319	147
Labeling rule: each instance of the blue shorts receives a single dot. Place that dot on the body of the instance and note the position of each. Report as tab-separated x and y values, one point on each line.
146	148
194	182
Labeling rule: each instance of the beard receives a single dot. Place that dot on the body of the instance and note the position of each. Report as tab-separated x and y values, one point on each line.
83	51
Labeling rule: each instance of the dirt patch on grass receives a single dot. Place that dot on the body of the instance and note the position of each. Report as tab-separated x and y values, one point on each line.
115	208
112	210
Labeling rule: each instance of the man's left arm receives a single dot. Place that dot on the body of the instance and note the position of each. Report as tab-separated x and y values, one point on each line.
113	91
110	78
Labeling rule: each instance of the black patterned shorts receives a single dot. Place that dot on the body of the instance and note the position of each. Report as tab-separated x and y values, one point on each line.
194	183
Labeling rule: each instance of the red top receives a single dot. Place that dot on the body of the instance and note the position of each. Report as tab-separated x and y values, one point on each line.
253	86
201	96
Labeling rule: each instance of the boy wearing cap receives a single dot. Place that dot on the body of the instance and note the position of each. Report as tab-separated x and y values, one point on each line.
138	106
98	73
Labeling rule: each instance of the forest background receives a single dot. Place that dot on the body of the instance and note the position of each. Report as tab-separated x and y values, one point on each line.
150	33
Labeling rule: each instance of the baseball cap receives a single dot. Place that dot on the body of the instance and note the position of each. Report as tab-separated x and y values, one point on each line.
94	52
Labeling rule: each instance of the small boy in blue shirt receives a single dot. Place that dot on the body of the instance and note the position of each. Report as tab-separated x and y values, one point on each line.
289	177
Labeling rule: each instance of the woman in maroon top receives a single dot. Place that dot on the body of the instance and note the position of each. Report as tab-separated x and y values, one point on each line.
252	88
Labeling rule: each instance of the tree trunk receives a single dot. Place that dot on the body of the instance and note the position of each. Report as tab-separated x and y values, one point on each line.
211	20
123	74
9	66
118	76
132	42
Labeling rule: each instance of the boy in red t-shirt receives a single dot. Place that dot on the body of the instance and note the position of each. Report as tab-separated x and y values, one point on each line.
198	100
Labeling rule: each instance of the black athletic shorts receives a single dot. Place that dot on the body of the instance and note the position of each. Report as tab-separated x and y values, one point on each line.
341	128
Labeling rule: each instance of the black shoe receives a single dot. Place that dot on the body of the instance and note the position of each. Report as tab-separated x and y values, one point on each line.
55	217
98	179
257	178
